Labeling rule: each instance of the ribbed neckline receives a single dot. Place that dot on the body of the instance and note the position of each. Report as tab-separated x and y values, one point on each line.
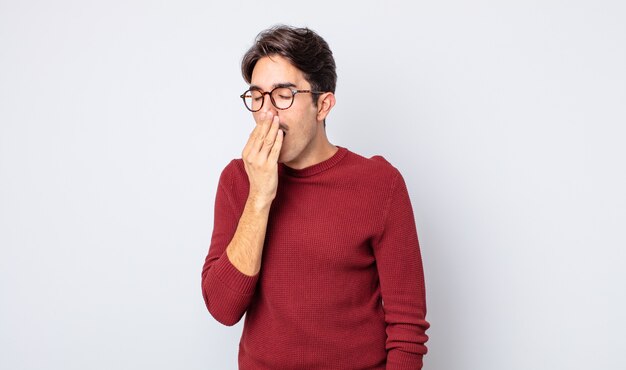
316	168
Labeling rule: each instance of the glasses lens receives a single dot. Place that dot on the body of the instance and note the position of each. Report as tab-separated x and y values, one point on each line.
283	97
253	99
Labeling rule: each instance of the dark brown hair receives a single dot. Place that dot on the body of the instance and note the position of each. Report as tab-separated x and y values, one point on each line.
304	48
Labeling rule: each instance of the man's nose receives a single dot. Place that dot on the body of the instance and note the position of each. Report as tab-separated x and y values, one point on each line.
268	106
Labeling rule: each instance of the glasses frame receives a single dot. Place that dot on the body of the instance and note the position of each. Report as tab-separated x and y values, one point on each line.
263	93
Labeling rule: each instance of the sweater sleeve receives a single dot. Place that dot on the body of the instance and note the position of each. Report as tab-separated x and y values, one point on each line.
227	292
402	282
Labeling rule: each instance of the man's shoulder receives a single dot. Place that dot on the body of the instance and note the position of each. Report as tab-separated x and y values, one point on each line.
376	167
234	173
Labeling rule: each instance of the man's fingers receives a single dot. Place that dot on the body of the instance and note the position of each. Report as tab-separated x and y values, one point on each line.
270	138
263	128
278	144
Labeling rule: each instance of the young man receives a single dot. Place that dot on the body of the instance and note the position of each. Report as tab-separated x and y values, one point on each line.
316	244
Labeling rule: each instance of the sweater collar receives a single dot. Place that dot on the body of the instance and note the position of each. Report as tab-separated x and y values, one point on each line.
316	168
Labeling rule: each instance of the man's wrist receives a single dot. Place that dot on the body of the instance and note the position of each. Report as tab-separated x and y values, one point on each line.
259	203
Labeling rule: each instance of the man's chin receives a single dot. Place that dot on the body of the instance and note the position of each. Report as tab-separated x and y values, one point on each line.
281	157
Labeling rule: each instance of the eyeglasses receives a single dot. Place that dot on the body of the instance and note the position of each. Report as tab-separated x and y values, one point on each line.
281	97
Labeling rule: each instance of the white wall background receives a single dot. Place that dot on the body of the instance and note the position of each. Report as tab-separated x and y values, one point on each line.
506	118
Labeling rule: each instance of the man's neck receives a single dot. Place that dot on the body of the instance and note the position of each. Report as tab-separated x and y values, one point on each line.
318	151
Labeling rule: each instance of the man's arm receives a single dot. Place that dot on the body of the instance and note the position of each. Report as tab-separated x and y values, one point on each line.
260	156
231	268
402	282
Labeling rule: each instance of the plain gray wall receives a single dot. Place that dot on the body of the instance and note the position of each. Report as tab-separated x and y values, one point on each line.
506	118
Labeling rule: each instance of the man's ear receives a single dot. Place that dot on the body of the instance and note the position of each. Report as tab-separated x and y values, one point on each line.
325	103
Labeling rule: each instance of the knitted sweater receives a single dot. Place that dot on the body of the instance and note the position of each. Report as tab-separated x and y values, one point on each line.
341	283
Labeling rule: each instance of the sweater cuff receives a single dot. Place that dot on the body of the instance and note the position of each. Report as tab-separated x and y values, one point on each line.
399	360
234	279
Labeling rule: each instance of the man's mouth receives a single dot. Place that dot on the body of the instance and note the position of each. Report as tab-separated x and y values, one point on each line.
284	128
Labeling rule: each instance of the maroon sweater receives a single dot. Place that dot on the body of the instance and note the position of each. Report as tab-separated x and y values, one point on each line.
341	284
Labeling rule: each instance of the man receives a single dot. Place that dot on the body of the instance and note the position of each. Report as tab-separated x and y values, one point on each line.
316	244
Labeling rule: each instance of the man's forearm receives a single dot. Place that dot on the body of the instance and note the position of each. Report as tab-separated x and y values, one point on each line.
246	248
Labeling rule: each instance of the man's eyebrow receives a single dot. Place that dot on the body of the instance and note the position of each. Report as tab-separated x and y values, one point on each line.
280	84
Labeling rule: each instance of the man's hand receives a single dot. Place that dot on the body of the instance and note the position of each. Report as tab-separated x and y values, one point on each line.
260	157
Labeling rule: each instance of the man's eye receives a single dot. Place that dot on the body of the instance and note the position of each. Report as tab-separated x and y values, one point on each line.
284	97
258	98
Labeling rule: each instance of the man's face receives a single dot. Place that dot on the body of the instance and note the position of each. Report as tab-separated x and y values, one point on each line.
298	122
